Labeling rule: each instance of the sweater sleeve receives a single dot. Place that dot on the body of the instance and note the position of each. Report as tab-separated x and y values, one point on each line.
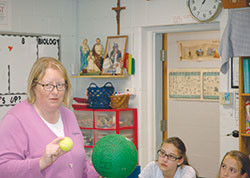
14	151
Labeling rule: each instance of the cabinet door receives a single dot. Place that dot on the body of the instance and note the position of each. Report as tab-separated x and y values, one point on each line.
129	133
101	133
126	118
105	119
88	135
84	118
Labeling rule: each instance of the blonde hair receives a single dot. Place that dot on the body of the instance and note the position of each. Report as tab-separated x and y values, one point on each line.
38	71
240	157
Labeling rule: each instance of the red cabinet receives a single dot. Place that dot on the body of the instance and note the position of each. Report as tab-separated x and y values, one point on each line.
96	123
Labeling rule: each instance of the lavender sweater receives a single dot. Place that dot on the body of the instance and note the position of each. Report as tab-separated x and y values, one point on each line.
23	137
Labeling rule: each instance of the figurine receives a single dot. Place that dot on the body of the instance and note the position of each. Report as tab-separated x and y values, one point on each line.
84	50
98	52
92	67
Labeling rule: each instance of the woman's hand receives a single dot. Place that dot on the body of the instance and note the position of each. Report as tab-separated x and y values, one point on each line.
52	152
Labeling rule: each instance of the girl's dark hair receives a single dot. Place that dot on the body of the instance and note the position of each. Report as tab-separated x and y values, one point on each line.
240	157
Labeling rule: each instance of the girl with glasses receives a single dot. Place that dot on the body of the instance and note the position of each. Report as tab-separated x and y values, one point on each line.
172	162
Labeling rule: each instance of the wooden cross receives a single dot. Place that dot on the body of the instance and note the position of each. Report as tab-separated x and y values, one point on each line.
118	10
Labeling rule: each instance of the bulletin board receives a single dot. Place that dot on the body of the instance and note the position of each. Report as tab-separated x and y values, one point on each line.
18	52
194	84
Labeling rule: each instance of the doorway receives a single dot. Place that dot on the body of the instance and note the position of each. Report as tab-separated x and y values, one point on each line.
148	42
195	122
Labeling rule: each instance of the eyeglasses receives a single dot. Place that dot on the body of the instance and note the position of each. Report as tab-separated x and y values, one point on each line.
170	157
50	87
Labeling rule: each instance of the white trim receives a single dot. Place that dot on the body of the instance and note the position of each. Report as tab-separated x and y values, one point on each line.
150	93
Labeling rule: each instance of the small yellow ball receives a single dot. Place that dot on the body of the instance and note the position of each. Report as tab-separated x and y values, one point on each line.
66	144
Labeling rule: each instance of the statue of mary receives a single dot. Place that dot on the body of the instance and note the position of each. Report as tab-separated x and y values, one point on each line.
84	50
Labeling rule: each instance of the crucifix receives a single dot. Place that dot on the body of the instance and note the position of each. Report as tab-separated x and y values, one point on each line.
118	10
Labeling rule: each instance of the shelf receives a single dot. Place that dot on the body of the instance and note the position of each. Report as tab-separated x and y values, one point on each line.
245	135
244	138
245	94
99	76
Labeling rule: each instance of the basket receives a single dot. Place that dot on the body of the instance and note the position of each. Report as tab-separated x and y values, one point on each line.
99	97
119	101
80	106
81	100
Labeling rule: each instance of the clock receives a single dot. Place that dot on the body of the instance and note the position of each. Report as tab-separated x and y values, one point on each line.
204	10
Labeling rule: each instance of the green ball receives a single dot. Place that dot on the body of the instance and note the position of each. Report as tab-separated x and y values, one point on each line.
114	156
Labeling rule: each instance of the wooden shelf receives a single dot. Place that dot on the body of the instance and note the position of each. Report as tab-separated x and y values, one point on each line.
244	139
245	135
99	76
245	94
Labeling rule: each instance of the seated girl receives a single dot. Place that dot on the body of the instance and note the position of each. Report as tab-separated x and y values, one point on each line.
172	162
235	164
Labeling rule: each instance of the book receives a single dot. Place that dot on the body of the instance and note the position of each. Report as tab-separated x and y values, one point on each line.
246	77
247	106
130	64
125	65
133	66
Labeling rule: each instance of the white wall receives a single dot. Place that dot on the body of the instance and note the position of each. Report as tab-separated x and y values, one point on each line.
78	19
46	17
55	17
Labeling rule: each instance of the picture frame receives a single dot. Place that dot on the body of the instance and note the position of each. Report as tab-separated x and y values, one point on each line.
114	55
235	72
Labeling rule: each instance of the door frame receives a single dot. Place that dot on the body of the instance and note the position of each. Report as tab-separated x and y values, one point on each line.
144	40
165	85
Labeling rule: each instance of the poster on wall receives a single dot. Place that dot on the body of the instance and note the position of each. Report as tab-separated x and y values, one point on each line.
184	84
198	50
210	85
18	52
193	84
